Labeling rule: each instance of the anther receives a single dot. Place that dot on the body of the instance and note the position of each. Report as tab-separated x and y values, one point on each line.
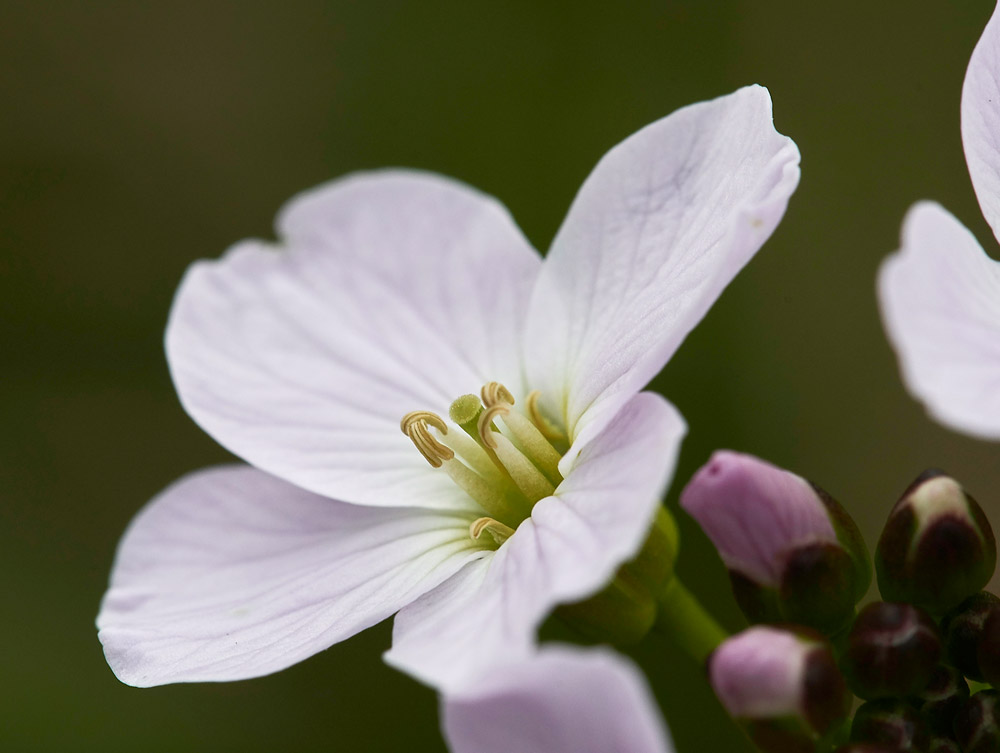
494	393
414	425
494	528
486	419
541	423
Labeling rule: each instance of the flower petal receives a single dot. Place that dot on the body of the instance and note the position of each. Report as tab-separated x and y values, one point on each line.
568	549
981	121
940	300
395	291
561	701
658	229
231	573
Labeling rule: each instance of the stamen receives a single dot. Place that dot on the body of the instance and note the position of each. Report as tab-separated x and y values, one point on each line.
534	445
414	425
494	393
496	504
548	430
528	478
486	432
496	530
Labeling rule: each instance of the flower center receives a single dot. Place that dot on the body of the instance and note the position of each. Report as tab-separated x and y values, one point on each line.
504	459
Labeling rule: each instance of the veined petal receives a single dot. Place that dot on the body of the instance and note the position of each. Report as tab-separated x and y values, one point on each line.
940	300
231	573
563	700
981	121
394	291
658	229
569	548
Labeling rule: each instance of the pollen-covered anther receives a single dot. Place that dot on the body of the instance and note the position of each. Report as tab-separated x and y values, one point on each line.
415	425
496	530
486	433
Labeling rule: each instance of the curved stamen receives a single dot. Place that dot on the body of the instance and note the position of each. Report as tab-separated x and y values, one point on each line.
414	425
486	419
494	393
496	530
545	426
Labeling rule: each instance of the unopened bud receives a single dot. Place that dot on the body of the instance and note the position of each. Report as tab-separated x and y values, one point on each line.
793	553
937	547
942	697
962	628
892	723
784	687
988	649
892	650
943	745
976	724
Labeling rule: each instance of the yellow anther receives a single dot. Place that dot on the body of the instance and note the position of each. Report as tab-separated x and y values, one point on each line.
494	393
549	431
486	418
494	528
414	425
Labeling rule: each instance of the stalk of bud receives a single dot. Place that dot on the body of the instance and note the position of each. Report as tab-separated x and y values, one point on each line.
892	650
937	547
784	687
793	553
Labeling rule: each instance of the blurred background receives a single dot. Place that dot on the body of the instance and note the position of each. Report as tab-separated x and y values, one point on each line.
136	137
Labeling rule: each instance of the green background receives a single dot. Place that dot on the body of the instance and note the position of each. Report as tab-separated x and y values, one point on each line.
136	137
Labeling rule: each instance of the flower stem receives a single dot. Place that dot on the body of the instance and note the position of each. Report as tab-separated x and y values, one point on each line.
685	620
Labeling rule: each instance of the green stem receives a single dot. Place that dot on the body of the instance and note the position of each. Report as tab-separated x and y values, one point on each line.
683	617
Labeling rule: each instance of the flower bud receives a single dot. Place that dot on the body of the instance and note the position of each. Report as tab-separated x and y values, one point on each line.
942	697
976	724
988	649
943	745
892	723
785	688
892	650
962	628
937	547
793	553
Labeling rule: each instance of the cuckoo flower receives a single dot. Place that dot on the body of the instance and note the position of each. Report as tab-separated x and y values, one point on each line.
940	294
560	701
529	465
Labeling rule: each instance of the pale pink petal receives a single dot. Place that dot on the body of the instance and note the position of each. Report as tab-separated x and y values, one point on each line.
940	300
392	291
561	701
981	121
231	573
658	229
755	513
568	549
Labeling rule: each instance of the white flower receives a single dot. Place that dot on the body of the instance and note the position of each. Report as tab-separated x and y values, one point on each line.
560	701
401	295
940	294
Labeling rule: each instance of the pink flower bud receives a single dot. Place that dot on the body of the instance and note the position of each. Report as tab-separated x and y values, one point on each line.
776	682
793	553
755	513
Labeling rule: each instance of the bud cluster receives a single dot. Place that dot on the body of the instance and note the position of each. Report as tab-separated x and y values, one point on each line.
799	566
